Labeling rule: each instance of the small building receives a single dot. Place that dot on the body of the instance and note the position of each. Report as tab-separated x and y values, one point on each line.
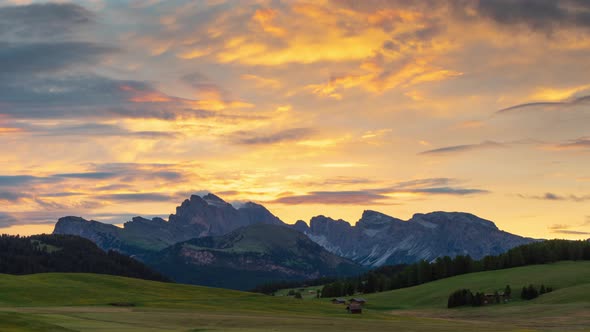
338	301
358	300
492	298
354	308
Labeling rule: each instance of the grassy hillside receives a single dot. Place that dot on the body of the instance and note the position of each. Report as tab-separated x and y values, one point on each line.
79	302
561	276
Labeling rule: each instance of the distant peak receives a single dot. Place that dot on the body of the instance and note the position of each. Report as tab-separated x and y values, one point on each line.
375	218
321	219
213	198
209	199
251	205
72	219
442	217
375	215
301	226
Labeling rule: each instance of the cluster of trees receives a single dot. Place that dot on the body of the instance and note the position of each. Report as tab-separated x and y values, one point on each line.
395	277
295	294
66	253
461	297
464	297
530	292
374	281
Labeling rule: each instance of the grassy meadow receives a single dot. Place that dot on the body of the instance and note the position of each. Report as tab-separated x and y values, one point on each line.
80	302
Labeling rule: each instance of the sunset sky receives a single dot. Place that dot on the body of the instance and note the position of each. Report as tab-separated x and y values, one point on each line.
111	109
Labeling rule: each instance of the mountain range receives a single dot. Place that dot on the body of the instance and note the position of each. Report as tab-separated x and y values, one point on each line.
378	239
210	242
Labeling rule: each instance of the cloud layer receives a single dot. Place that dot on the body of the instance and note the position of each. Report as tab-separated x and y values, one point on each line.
110	108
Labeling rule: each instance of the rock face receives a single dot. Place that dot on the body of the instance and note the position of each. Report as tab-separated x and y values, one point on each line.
378	239
195	217
248	257
210	215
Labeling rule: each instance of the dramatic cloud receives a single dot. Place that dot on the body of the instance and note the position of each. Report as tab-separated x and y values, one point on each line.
570	229
33	58
554	197
94	129
543	15
257	138
91	175
43	20
420	187
333	197
464	148
136	197
17	180
316	107
582	143
12	197
6	220
554	105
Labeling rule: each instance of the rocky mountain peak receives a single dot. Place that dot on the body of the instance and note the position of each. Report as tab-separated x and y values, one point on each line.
213	199
301	226
374	218
451	219
323	224
258	214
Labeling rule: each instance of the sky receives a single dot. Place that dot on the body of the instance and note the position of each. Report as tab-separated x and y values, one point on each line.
112	109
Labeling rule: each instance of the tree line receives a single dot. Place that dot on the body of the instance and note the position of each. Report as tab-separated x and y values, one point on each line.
531	292
66	253
395	277
464	297
272	287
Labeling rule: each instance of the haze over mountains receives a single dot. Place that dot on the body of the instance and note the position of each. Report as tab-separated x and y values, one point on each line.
209	235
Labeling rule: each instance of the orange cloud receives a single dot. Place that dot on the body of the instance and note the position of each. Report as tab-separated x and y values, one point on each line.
265	17
8	130
212	99
413	73
262	82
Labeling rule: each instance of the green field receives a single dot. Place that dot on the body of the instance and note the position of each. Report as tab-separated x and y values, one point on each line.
79	302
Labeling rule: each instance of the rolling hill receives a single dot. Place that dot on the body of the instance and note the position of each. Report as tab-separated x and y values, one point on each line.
566	277
79	302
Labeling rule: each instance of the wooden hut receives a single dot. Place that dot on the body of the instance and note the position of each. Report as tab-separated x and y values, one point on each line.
338	301
354	308
358	300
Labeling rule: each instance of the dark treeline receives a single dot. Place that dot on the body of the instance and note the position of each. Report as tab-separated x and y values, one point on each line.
271	287
66	253
388	278
531	292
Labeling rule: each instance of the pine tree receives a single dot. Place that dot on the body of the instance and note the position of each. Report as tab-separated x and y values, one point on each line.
507	292
524	293
532	292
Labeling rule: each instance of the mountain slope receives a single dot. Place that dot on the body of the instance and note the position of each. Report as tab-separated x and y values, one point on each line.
66	253
248	257
378	239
